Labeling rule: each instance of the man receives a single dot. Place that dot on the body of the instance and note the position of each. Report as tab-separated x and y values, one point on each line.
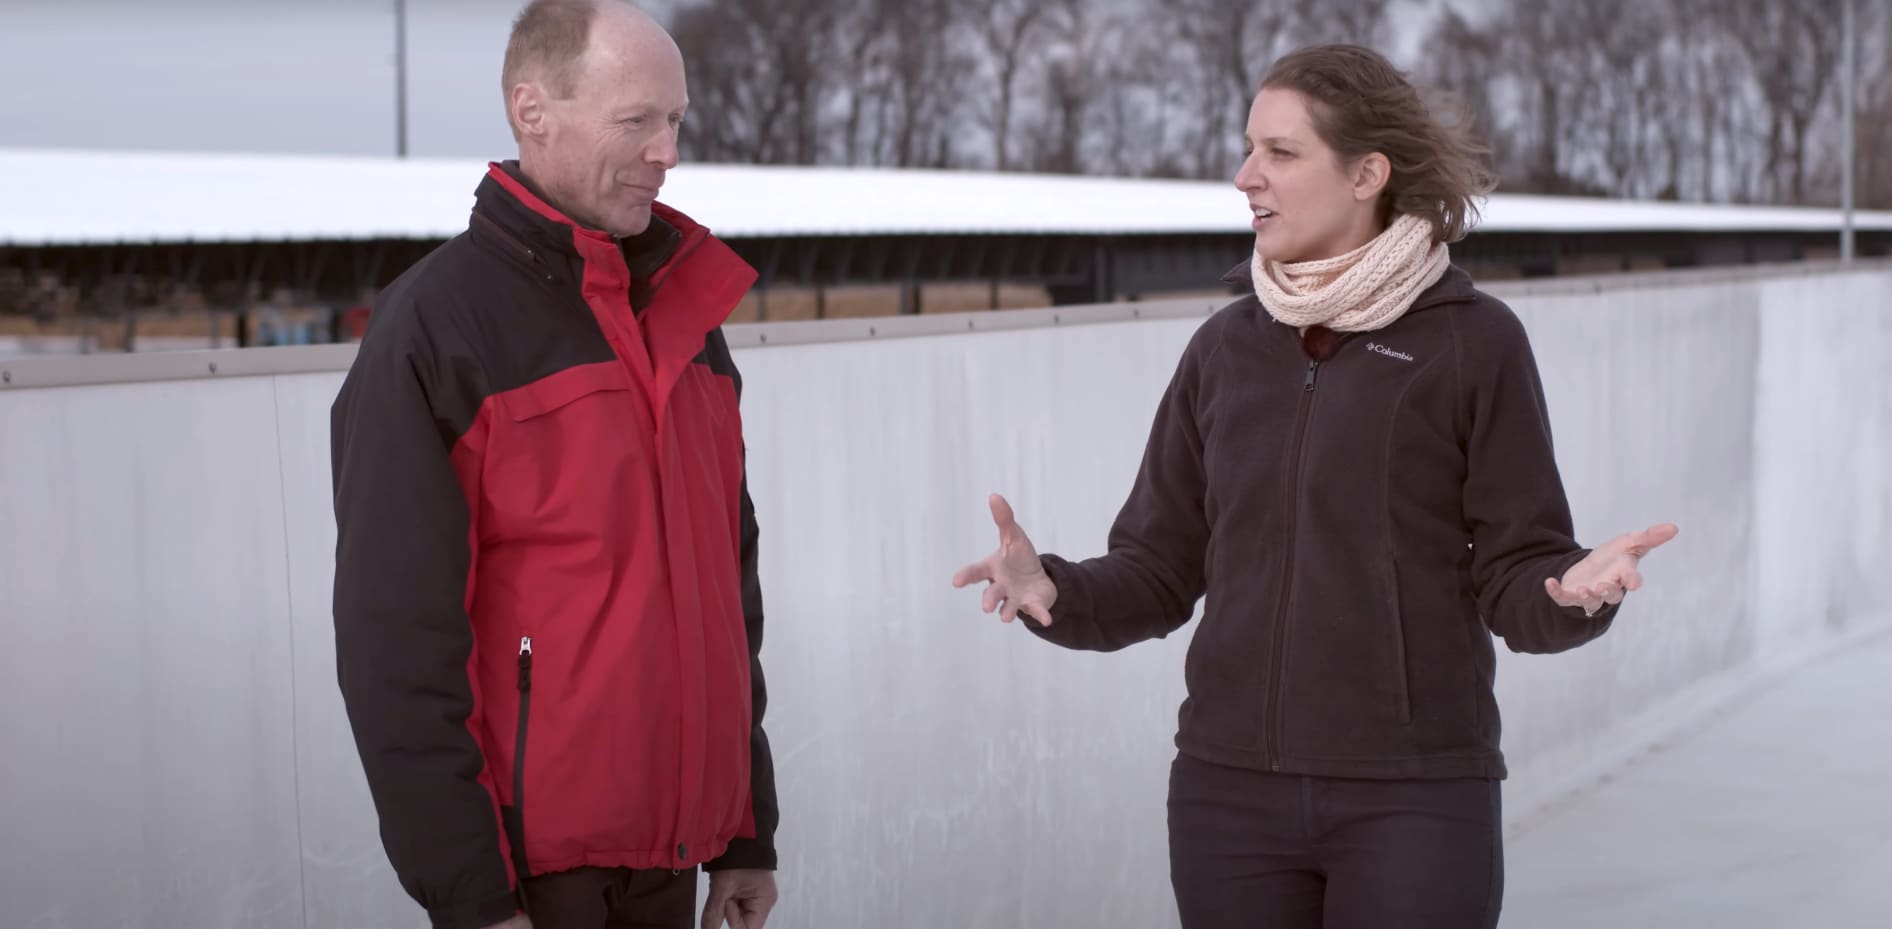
547	617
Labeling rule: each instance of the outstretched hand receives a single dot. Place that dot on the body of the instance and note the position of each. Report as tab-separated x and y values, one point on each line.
1017	582
1608	573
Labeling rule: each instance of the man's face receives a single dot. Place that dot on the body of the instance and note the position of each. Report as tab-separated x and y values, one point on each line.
606	148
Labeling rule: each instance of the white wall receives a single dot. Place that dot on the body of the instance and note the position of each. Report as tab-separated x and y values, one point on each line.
175	754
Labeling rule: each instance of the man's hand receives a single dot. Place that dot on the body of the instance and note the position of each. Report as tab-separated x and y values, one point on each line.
1610	572
1016	581
520	921
742	898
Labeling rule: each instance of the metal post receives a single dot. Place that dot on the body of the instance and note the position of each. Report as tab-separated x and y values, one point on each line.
1847	78
400	78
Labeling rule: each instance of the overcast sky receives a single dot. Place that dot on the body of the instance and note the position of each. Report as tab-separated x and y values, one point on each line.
252	75
258	75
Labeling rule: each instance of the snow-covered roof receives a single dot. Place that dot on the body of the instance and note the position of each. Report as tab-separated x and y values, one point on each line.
51	196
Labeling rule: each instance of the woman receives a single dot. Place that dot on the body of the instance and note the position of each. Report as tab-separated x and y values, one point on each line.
1355	465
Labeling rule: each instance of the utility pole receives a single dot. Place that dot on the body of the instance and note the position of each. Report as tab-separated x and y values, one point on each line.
1847	91
400	78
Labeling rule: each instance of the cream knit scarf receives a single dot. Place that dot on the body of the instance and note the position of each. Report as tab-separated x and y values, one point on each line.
1365	289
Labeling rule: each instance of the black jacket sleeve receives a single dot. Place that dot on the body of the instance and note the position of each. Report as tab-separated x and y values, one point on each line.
1514	499
402	636
1147	584
758	852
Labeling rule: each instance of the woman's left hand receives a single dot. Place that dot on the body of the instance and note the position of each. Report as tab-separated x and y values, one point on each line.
1609	572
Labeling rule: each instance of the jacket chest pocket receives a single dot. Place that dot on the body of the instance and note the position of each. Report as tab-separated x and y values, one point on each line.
566	450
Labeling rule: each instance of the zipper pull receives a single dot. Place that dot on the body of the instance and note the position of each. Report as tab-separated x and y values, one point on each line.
525	645
1312	366
525	664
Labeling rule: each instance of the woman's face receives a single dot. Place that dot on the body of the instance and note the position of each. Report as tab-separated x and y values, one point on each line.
1307	205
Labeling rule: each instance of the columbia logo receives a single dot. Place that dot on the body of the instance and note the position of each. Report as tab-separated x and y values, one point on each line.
1387	351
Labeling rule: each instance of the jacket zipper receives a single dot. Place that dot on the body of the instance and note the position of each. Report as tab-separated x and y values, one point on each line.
519	756
684	250
528	252
1296	452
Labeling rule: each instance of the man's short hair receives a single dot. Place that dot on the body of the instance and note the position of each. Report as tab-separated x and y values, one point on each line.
547	40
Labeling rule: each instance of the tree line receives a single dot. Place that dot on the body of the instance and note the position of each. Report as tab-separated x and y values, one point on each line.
1701	100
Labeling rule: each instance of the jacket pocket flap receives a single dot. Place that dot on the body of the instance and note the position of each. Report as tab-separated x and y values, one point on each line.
551	393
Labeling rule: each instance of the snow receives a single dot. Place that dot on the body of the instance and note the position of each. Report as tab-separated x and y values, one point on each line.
55	196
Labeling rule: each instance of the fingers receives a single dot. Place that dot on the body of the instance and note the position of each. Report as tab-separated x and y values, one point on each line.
986	569
973	573
1591	597
749	906
756	912
714	908
1638	544
1003	517
1580	595
999	597
993	597
1656	535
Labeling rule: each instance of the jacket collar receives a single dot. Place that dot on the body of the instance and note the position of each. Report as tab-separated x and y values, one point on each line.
508	198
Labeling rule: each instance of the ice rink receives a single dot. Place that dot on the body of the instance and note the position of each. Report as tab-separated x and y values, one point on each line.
175	754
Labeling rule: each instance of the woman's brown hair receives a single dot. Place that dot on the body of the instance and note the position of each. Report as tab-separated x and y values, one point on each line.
1361	104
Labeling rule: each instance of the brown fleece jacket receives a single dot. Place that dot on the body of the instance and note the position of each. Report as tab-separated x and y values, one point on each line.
1363	511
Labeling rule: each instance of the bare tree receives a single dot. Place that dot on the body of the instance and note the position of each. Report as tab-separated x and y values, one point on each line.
1622	78
724	77
1465	62
1006	30
1228	43
925	62
800	29
1072	79
1872	173
861	41
1708	99
1549	67
1792	47
760	67
1140	94
1873	127
1362	22
1697	72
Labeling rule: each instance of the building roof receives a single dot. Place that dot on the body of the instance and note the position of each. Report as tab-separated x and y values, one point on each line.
93	197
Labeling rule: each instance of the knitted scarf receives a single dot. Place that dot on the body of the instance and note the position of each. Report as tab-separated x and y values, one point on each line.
1363	290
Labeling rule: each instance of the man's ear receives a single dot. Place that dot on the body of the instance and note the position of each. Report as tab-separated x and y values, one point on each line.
1370	176
526	107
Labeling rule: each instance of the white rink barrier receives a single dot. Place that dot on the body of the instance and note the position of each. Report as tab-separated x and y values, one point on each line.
176	755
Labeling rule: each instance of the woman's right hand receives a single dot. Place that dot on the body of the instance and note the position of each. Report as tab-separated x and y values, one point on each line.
1017	582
